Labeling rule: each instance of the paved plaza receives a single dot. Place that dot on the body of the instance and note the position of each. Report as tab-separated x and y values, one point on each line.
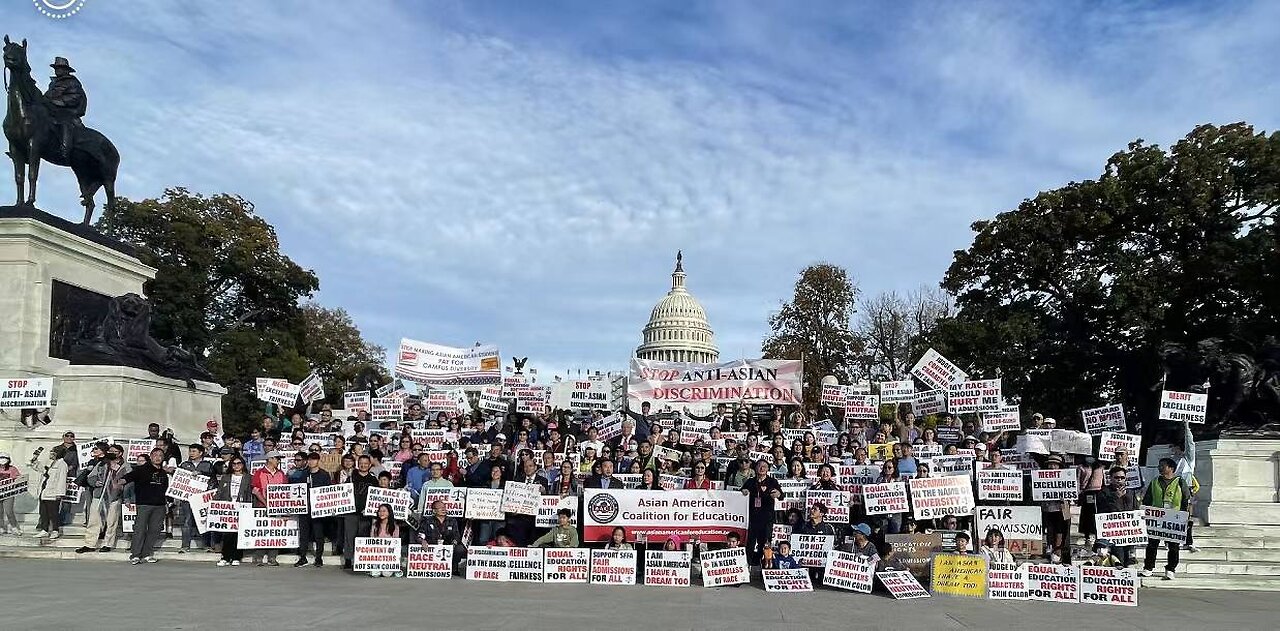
69	595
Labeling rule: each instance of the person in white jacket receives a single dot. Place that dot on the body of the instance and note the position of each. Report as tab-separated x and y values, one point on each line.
53	485
1185	456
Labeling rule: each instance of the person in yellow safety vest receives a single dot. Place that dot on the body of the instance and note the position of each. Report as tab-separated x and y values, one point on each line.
1170	492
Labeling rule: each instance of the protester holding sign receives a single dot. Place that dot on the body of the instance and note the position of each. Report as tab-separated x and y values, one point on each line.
1115	498
7	517
106	483
196	464
384	527
1170	492
1057	520
763	491
53	485
1184	457
150	483
564	535
311	530
993	548
235	486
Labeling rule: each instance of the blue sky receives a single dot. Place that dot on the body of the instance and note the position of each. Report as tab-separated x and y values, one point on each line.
522	173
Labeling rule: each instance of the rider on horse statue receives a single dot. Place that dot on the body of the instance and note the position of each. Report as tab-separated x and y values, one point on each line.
68	99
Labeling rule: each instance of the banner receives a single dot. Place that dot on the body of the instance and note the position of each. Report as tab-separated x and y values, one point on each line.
400	500
1008	419
959	575
521	498
1053	583
898	391
886	498
792	580
1007	582
26	393
1022	527
1054	484
183	483
335	499
837	503
1108	586
434	561
1166	524
862	406
454	498
225	516
902	585
668	568
1111	441
1000	484
707	515
975	396
520	565
756	381
287	499
491	400
1108	418
1183	406
484	503
257	530
13	487
1123	528
725	567
845	570
566	565
277	391
580	395
613	567
376	554
353	402
932	498
811	550
436	365
937	371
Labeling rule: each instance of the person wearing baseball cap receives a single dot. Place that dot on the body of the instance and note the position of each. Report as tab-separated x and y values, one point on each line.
862	544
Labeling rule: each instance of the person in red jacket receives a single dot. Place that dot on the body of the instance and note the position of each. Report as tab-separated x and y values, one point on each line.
270	474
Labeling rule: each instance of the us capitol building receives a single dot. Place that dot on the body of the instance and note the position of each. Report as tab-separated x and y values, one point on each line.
678	329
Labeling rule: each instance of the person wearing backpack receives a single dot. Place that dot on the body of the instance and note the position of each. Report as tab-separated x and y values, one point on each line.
1170	492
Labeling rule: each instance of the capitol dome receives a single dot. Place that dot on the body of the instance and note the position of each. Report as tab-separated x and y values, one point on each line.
678	329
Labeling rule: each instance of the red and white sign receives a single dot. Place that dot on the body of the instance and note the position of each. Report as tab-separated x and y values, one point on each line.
287	499
434	561
898	391
438	365
1000	484
257	530
566	565
1111	441
932	498
668	568
837	503
937	371
1183	406
278	391
1054	484
975	396
399	500
26	393
376	554
811	550
521	565
886	498
707	515
184	483
613	567
792	580
1006	582
756	381
1108	586
902	585
1053	583
845	570
335	499
862	406
1123	528
353	402
225	516
725	567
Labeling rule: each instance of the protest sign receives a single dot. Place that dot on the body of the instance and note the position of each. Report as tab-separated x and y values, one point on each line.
852	477
355	402
779	532
1034	441
454	498
937	371
137	447
388	389
183	483
670	482
311	389
584	395
1134	477
386	408
668	568
1111	441
439	401
26	393
287	499
1006	582
1054	484
1053	583
566	565
199	503
399	499
483	503
1166	524
1000	485
902	585
335	499
438	365
879	452
1066	441
792	580
837	503
376	554
1108	418
258	530
225	516
1007	419
491	399
72	493
833	395
532	399
1021	526
432	561
707	515
613	567
849	571
752	381
277	391
1108	586
610	427
13	487
862	406
951	465
975	396
1190	407
898	391
128	517
521	565
1123	528
725	567
793	492
932	498
925	452
959	575
914	550
930	402
886	498
811	550
521	498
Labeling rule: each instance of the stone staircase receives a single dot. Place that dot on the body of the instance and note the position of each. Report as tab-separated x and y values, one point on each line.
29	547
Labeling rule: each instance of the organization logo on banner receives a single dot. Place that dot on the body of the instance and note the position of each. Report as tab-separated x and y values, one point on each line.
59	9
603	508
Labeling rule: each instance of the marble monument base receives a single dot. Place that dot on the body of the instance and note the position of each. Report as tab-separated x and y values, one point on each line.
1239	481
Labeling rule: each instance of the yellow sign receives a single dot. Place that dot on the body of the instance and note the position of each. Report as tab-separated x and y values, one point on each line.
959	575
880	451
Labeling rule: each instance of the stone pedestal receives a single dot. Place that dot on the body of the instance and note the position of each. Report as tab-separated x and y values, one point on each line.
41	255
1239	481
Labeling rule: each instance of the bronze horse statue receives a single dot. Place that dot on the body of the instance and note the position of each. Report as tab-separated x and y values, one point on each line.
33	136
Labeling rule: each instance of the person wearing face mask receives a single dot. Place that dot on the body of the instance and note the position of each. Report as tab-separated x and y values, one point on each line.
7	517
53	485
105	482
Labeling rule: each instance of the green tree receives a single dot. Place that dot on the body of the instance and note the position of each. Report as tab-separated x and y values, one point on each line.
337	351
815	325
1070	297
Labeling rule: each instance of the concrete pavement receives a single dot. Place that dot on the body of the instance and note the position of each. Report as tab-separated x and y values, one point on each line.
67	595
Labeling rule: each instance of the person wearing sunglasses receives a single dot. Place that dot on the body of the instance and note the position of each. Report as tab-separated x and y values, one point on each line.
236	485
